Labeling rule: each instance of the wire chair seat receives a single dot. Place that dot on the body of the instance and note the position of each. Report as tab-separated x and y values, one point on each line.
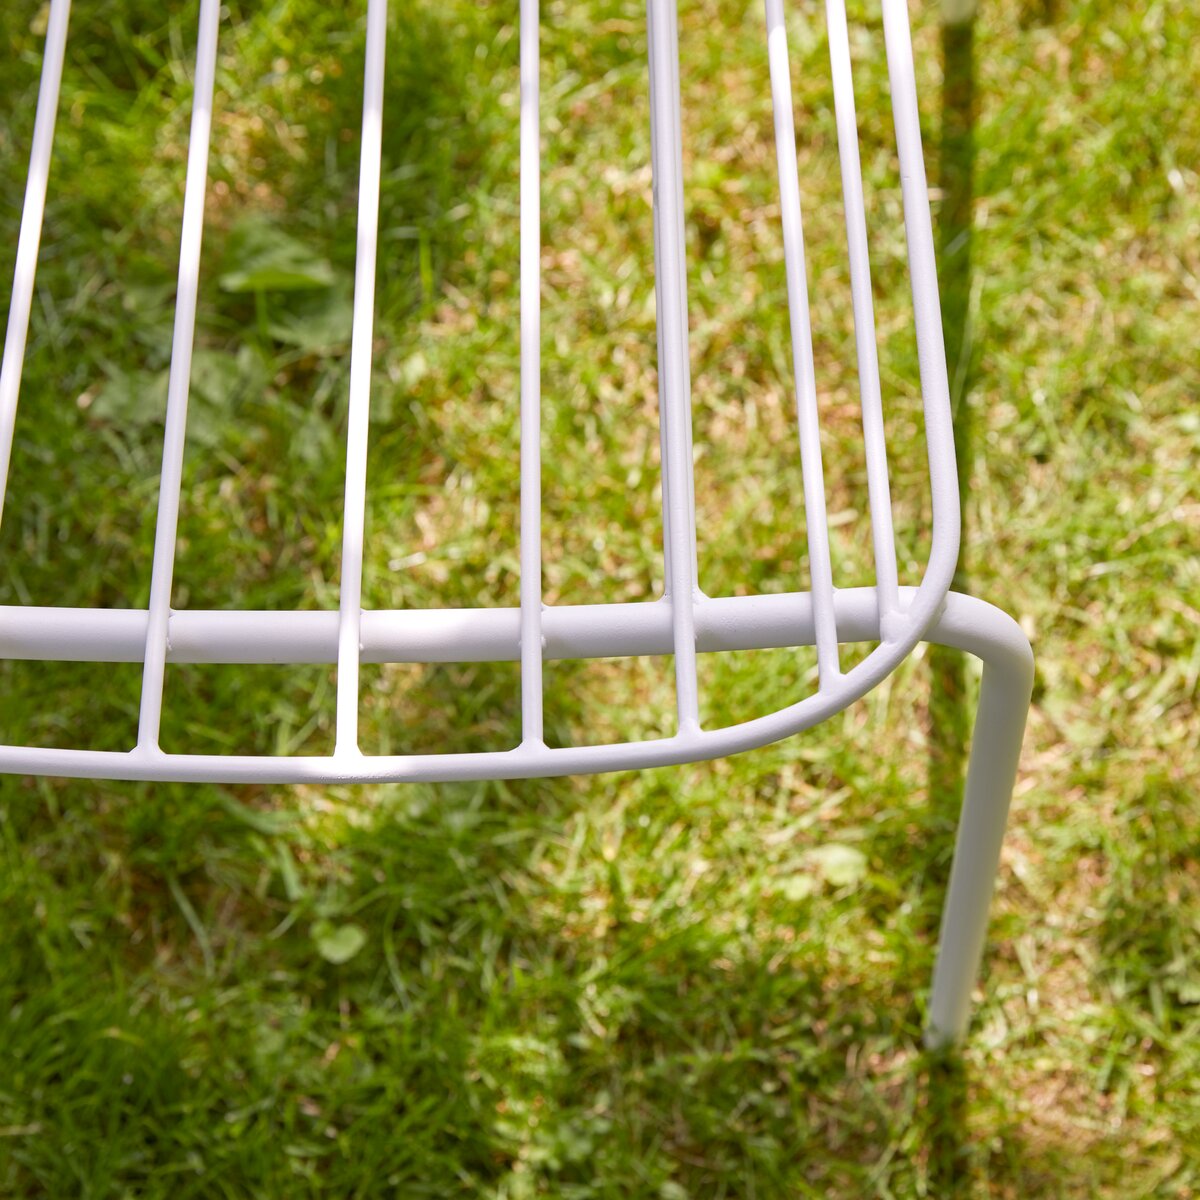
683	622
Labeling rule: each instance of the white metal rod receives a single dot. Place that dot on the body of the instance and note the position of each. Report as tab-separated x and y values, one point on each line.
355	508
875	445
171	475
664	456
224	636
31	233
686	365
531	357
674	398
964	623
802	351
927	317
1004	695
663	453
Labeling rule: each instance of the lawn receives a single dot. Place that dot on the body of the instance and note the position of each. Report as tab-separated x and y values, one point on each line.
698	982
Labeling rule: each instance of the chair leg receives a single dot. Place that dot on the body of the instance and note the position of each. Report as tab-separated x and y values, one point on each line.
995	638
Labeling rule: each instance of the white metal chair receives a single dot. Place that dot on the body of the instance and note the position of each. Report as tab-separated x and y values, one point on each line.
684	621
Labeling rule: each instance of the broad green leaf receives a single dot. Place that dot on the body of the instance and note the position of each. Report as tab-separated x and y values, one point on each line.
841	866
131	399
797	887
263	258
1189	991
316	323
338	943
220	383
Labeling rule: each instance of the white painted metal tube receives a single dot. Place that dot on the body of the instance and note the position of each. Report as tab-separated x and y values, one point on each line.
674	397
427	635
664	458
355	510
1004	698
874	443
808	420
531	382
927	316
30	236
179	379
685	365
965	623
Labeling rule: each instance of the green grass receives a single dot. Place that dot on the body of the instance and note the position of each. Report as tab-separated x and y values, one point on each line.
653	985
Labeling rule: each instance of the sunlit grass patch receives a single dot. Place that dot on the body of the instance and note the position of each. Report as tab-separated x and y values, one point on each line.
706	981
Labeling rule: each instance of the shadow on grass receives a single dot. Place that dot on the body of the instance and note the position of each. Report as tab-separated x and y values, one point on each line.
945	1080
268	397
950	720
499	1027
946	1137
532	1010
